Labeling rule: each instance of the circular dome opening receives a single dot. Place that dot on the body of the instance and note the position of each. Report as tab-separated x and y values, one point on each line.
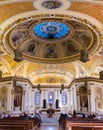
51	30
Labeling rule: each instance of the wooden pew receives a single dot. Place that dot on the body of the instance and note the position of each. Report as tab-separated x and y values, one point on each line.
27	127
84	126
12	127
28	124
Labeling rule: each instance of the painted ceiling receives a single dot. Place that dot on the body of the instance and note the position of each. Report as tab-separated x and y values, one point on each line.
13	14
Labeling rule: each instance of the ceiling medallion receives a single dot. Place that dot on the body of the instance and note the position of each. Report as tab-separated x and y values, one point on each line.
51	4
51	30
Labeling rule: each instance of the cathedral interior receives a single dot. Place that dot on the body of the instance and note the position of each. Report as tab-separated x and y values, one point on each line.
51	55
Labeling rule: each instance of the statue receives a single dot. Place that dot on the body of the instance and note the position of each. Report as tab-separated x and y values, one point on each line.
50	112
16	102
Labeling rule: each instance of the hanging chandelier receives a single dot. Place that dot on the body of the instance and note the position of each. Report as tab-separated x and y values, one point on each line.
18	55
101	72
84	55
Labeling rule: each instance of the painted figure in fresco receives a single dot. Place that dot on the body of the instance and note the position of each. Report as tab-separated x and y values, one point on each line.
70	48
52	4
51	52
87	40
16	37
31	48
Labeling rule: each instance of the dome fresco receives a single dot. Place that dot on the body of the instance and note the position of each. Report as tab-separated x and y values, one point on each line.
52	40
17	22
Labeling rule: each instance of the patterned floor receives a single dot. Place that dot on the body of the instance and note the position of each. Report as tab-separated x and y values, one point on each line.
49	123
49	127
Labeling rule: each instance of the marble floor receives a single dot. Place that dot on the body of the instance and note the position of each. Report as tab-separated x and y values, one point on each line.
49	127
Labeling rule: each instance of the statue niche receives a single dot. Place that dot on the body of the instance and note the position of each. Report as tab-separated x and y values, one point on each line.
18	98
83	98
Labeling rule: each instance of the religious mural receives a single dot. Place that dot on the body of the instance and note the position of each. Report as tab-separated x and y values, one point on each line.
51	51
31	47
70	48
84	38
51	4
76	24
18	37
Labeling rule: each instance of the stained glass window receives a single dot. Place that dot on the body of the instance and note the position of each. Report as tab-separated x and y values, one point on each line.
37	98
64	98
51	30
50	97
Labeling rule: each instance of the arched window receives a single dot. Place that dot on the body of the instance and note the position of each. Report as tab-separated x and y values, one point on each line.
64	98
37	98
50	97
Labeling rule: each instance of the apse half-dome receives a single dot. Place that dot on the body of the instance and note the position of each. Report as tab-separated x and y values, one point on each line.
51	40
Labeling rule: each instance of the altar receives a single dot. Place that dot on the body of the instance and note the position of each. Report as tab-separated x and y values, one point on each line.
50	112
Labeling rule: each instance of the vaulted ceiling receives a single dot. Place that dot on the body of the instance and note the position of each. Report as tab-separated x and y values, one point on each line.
51	34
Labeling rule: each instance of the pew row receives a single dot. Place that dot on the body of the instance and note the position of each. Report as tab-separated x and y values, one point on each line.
27	124
84	126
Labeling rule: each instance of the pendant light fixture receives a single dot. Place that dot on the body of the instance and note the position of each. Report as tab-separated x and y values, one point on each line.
84	57
18	52
0	64
101	72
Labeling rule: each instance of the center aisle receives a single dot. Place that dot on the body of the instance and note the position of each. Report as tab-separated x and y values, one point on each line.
48	127
49	123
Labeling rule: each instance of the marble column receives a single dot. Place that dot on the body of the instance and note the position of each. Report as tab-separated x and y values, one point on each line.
12	100
72	94
78	101
41	98
89	101
23	100
68	101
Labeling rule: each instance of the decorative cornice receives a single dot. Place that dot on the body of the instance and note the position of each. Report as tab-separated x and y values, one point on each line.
78	80
22	79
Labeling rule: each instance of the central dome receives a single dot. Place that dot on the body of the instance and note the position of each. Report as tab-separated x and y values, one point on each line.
51	41
51	30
